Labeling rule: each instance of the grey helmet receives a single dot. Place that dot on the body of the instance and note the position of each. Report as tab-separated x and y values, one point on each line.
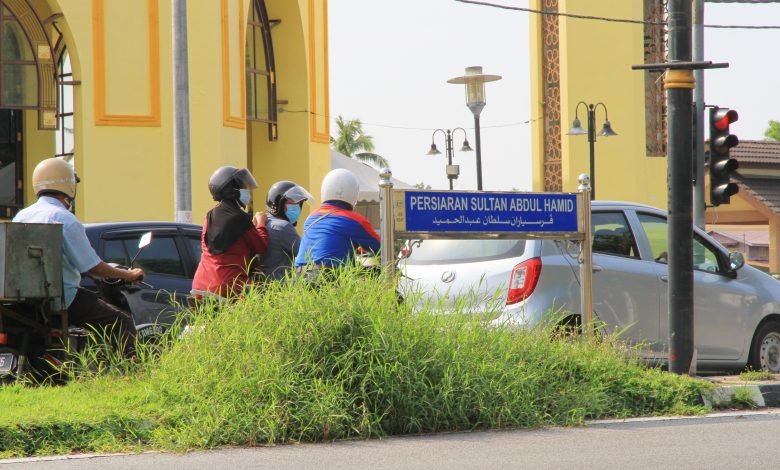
282	191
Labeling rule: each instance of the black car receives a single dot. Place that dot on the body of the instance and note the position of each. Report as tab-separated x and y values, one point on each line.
169	261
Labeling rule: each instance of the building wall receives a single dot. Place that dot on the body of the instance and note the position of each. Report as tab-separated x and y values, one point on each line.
594	61
121	54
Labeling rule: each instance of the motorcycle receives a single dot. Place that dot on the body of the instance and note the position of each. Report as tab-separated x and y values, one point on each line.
36	339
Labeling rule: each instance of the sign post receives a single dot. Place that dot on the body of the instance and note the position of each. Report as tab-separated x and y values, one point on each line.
586	259
430	214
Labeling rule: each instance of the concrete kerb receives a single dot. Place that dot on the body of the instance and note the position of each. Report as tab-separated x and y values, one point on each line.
733	391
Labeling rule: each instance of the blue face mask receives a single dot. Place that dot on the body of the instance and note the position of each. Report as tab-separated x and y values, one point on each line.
293	213
244	195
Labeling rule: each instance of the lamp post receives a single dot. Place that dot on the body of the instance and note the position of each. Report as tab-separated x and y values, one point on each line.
452	170
475	100
606	131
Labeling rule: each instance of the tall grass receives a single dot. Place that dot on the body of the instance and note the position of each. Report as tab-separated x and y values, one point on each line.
294	363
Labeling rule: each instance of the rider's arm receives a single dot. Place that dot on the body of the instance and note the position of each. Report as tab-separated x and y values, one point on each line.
107	271
257	238
366	237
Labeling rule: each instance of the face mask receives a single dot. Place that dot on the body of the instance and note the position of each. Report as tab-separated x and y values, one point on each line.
293	213
244	195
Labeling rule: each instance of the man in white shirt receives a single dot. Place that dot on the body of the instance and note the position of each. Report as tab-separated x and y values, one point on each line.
54	182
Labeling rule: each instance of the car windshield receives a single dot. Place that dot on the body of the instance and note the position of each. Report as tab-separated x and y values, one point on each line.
464	251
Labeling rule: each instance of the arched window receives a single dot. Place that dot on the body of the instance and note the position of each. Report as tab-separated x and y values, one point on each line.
65	107
261	70
18	68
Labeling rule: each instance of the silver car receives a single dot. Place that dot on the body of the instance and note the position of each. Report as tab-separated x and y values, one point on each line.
737	307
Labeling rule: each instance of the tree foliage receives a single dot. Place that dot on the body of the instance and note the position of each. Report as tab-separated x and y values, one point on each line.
354	143
773	131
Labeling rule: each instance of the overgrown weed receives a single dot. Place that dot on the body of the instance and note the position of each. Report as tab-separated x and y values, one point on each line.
291	362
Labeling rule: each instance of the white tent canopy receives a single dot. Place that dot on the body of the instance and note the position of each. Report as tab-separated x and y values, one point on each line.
367	175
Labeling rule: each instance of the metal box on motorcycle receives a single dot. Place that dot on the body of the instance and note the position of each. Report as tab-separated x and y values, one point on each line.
30	261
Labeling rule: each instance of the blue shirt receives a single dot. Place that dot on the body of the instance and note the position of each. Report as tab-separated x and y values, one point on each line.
78	256
331	234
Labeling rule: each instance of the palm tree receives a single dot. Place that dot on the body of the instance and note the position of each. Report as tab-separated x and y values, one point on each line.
352	142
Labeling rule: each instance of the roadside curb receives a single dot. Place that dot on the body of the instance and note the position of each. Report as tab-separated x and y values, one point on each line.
731	391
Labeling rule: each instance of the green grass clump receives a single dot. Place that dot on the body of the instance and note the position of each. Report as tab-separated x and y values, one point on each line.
756	375
293	363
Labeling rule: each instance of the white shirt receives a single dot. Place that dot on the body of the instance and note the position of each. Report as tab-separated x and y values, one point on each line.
78	256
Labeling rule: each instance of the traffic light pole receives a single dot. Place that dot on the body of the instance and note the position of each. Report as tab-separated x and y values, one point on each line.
679	89
699	204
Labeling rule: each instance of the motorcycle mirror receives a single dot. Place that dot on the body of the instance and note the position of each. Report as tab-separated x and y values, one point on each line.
145	240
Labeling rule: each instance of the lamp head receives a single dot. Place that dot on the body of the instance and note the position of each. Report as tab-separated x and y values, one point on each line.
433	150
606	130
475	80
466	147
576	128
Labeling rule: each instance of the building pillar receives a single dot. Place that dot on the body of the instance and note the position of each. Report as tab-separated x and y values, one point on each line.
774	244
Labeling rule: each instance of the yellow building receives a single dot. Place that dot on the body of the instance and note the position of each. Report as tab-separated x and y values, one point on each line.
574	60
92	80
577	60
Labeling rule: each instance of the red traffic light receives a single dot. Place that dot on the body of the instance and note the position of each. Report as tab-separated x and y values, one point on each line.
722	122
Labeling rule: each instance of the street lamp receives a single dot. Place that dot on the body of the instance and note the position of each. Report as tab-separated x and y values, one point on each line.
606	131
475	100
452	170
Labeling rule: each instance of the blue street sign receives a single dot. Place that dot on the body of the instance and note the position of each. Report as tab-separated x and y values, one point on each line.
449	211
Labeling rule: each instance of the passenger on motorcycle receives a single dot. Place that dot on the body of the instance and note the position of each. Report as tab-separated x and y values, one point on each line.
333	232
54	182
232	238
285	201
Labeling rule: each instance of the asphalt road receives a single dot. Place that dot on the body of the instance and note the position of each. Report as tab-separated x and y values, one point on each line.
729	440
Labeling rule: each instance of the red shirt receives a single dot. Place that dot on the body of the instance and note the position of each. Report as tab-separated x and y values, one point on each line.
225	274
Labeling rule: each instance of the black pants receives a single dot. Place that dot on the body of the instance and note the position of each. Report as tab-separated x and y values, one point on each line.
89	310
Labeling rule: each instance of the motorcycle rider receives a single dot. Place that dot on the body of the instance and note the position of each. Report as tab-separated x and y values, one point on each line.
54	182
285	201
333	232
231	237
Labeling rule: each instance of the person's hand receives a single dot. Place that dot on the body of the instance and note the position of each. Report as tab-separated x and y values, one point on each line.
260	219
135	275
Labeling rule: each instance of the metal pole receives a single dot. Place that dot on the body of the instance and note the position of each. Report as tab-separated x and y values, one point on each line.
699	206
679	88
479	152
586	259
182	194
592	143
448	146
386	228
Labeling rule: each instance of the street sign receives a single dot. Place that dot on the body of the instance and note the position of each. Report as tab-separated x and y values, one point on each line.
552	215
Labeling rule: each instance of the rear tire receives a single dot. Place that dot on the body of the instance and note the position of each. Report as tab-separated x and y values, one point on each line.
765	350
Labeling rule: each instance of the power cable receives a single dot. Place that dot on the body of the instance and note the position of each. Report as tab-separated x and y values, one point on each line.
614	20
407	128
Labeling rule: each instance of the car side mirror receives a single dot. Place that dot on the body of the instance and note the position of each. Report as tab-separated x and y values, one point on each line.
737	260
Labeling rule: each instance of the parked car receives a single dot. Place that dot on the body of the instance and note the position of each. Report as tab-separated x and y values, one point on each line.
169	261
737	307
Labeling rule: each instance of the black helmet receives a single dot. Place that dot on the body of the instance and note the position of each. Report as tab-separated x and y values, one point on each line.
227	180
285	190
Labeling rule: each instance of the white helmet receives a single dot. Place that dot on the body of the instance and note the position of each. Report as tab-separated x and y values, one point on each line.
340	185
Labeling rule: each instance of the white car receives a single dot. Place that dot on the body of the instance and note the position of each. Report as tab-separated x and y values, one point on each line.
736	307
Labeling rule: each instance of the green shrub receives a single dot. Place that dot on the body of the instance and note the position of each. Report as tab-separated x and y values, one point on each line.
295	363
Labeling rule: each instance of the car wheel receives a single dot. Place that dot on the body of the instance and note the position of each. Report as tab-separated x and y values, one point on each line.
765	352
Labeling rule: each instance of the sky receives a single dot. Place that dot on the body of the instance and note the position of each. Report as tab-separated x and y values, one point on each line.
390	62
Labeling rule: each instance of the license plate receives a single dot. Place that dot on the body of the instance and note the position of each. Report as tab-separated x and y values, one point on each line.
7	363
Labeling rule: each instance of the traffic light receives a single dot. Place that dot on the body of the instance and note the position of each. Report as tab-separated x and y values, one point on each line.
721	165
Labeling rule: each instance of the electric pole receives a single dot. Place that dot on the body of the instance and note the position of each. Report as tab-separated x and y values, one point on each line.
679	85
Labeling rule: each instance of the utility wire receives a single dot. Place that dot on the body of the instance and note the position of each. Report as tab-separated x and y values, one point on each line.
407	128
613	20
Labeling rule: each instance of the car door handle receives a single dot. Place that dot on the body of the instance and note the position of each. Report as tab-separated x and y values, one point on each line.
596	268
665	278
